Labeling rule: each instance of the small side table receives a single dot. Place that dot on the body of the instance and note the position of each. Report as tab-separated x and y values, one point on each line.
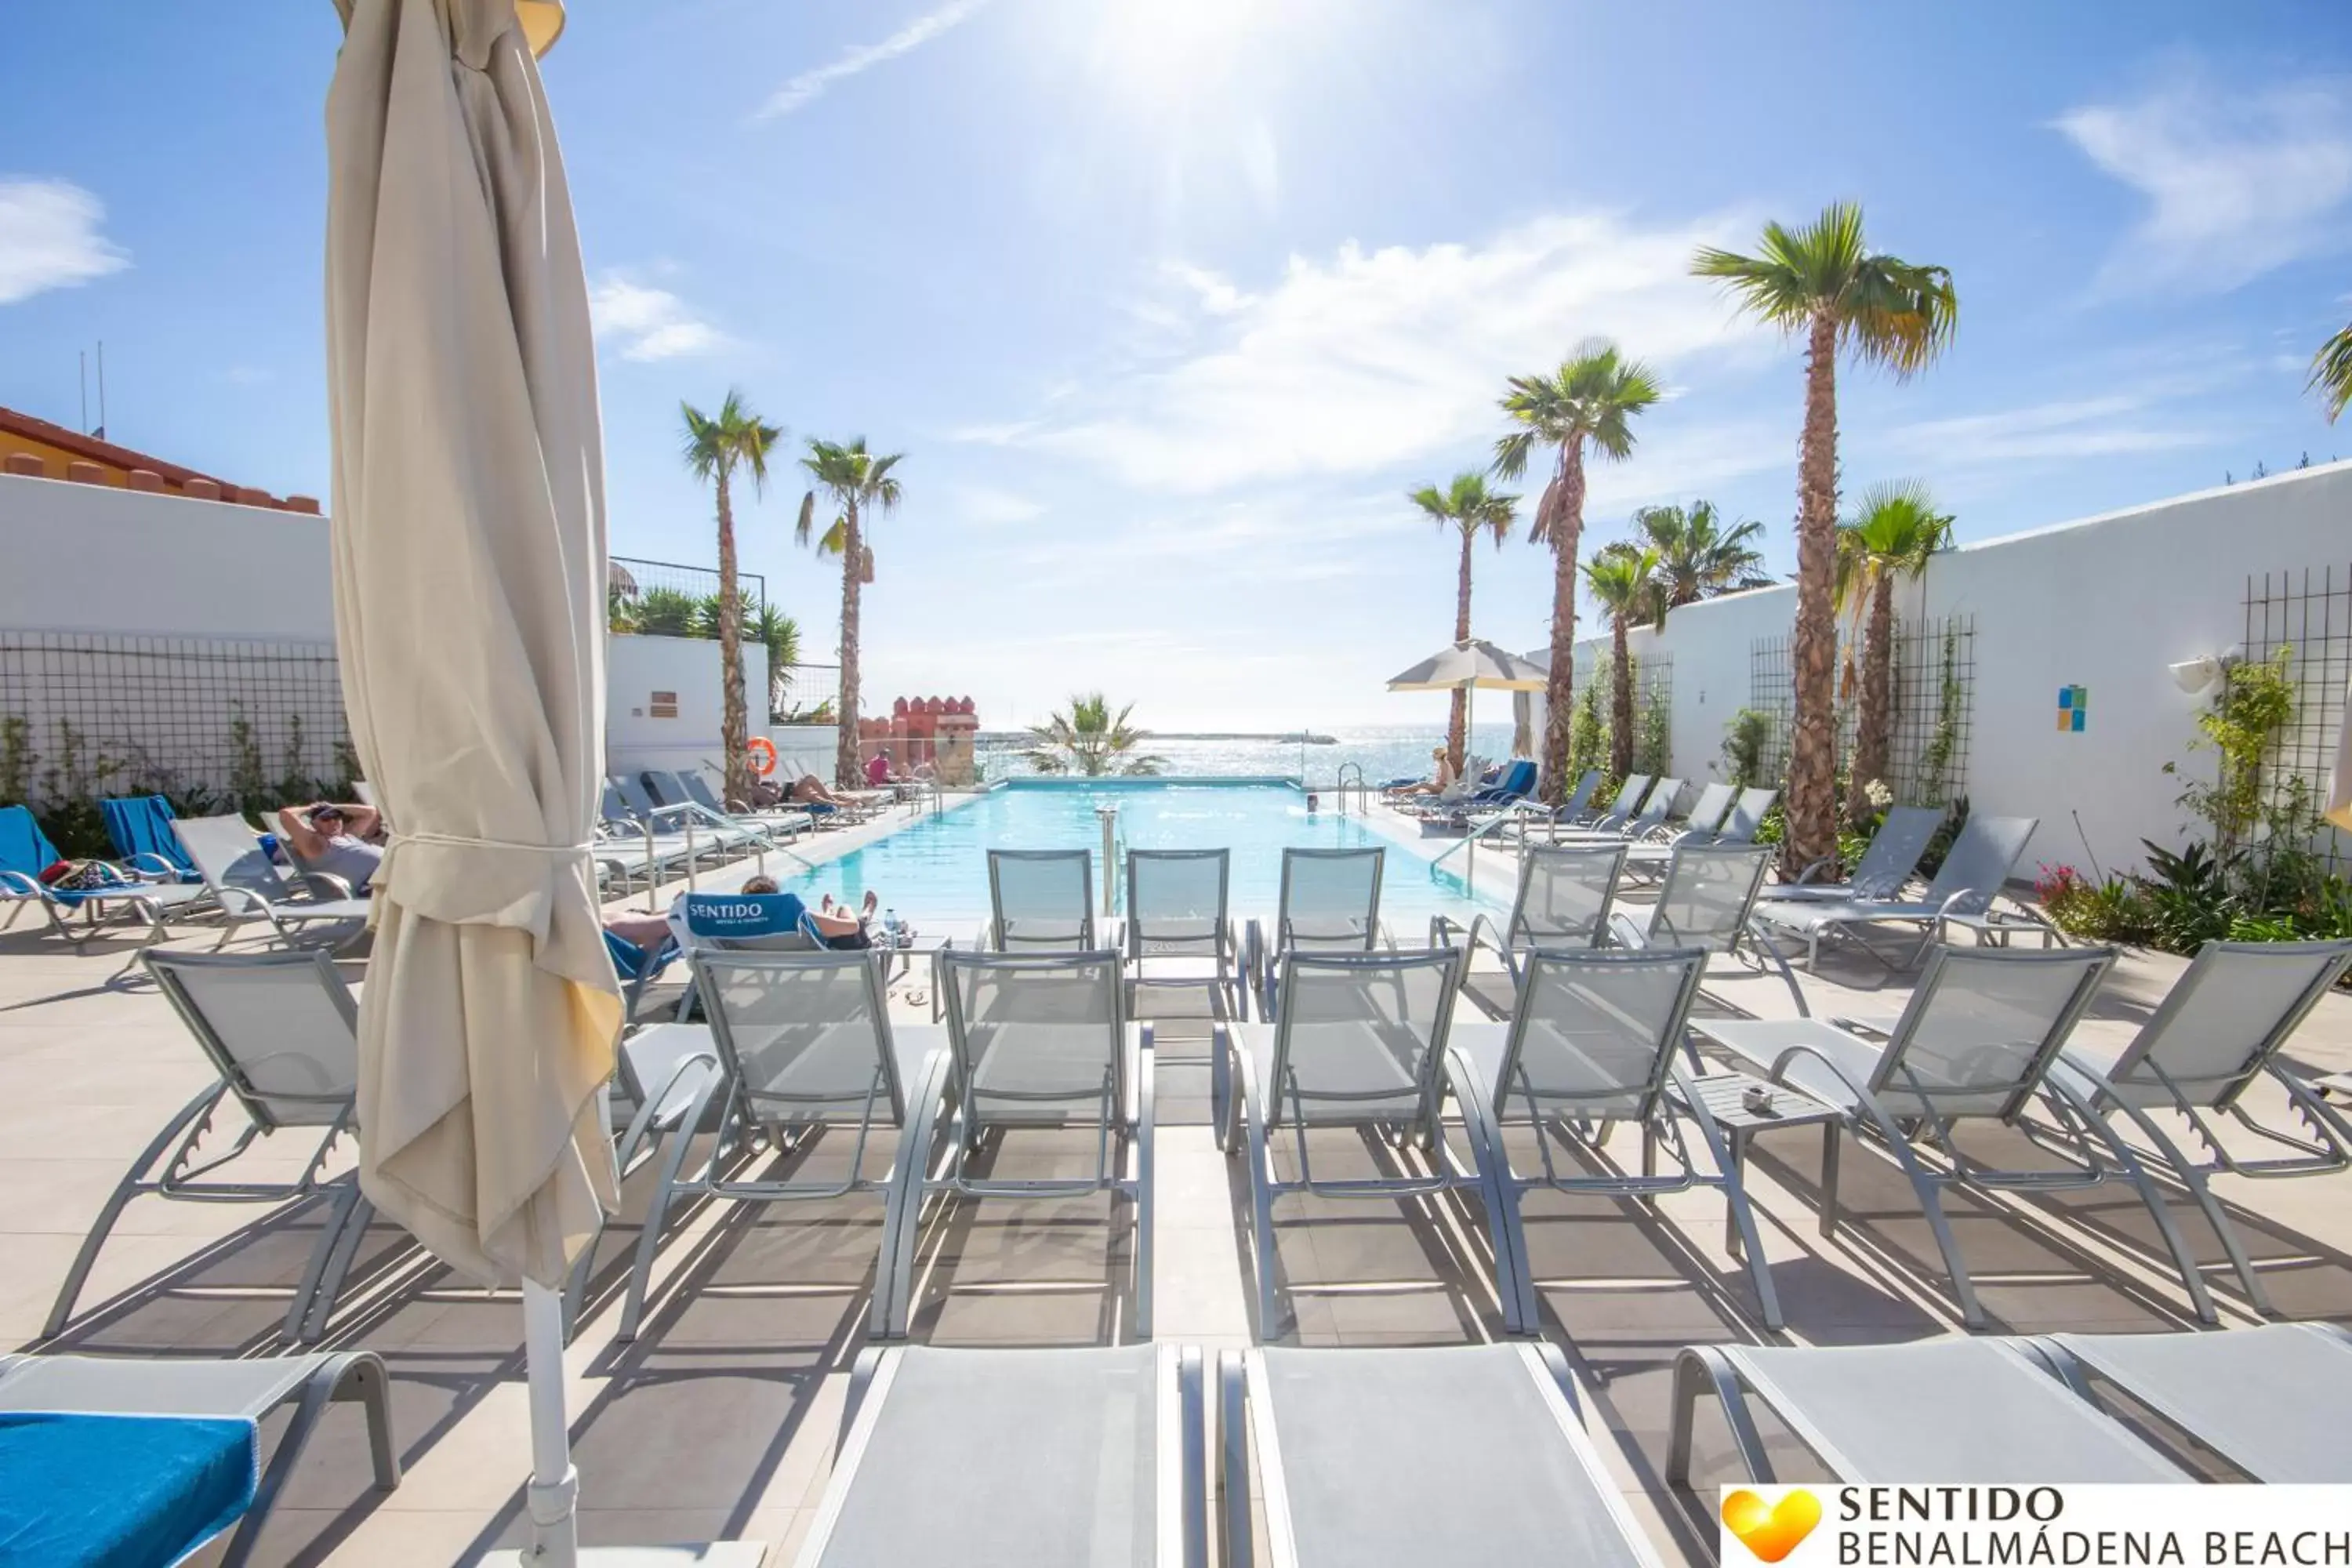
1724	1094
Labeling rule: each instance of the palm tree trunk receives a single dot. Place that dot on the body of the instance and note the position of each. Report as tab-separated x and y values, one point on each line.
1559	690
1812	759
1457	727
1873	727
1621	703
848	775
734	736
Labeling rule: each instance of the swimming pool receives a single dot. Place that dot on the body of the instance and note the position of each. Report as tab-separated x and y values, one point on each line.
937	869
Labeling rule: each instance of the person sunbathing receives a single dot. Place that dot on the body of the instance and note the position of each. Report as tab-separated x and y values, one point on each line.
345	842
834	923
809	789
1441	779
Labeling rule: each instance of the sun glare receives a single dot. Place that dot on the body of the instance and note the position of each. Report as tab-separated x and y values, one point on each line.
1171	50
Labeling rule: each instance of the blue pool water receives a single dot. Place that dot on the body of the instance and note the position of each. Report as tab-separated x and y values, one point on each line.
936	868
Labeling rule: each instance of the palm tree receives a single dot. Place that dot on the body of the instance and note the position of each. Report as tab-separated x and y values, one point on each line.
1469	506
1090	738
1697	558
1891	536
1825	281
717	445
1590	399
2331	373
1621	577
859	482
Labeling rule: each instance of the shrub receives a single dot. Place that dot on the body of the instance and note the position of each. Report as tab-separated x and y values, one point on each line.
1743	741
2116	909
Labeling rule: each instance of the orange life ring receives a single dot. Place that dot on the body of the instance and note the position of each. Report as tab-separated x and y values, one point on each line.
763	756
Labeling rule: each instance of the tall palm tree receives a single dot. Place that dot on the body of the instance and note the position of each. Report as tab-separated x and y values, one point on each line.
1698	558
1823	281
860	483
718	446
1089	739
1621	577
1590	400
1892	535
1469	506
2331	373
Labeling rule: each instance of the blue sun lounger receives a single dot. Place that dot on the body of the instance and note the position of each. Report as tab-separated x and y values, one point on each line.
25	852
122	1461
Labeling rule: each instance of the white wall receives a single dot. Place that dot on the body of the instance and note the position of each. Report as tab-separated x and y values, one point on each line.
805	749
93	559
2106	603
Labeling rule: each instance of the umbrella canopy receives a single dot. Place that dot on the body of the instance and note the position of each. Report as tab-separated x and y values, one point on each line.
469	531
1473	663
2339	784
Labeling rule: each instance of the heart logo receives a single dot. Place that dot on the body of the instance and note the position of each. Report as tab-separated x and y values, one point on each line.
1772	1531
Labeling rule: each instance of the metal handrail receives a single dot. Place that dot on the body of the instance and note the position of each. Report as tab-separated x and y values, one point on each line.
1507	812
1363	789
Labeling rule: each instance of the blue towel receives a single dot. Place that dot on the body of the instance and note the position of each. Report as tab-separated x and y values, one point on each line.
142	824
742	917
119	1492
24	847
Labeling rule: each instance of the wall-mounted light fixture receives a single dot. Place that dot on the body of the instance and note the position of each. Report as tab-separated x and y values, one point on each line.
2200	674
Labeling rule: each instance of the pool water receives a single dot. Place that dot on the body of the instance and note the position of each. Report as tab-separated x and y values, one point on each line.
937	869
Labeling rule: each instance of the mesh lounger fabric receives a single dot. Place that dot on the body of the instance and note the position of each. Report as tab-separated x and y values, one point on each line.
2270	1400
1421	1456
998	1459
1961	1410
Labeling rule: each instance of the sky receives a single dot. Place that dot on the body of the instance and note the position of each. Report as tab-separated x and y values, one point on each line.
1170	302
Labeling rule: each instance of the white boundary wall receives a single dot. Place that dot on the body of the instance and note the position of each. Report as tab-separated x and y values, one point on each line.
2108	603
91	558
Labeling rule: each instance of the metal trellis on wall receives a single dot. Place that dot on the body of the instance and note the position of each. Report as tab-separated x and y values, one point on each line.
2308	611
92	713
1934	699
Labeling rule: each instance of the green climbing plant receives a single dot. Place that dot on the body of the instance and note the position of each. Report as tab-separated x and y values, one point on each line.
2255	702
1745	740
1928	780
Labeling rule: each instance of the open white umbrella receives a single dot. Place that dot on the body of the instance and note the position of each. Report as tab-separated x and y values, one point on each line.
1471	665
468	532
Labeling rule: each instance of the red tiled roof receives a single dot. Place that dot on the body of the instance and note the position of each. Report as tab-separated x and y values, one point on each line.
98	451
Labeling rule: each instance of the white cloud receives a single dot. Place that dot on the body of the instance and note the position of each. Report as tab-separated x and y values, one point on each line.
2237	183
990	507
648	324
812	84
49	239
2083	427
1355	363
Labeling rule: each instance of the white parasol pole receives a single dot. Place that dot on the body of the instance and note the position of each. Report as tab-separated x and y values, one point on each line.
553	1495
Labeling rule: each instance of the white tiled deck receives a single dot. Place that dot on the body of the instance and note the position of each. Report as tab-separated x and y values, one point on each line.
720	1419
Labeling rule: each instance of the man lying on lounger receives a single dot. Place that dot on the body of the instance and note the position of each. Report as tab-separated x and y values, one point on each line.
834	922
344	841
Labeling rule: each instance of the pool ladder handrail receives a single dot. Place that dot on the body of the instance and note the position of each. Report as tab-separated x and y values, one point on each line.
1363	789
1510	812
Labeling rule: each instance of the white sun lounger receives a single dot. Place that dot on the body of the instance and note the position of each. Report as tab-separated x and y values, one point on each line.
1035	1041
1707	901
1176	908
281	1030
1357	1045
1960	1410
1563	901
1886	866
248	886
804	1044
2269	1400
1972	875
1040	901
1975	1044
1408	1457
1592	1041
2217	1034
1632	827
1329	902
1042	1459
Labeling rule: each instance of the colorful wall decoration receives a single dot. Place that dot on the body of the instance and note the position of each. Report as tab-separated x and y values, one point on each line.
2074	704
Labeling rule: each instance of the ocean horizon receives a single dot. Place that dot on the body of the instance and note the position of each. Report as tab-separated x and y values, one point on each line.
1381	751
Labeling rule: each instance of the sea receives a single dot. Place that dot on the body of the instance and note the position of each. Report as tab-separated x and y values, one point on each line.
1382	751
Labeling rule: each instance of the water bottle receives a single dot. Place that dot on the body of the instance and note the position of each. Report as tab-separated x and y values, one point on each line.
890	925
